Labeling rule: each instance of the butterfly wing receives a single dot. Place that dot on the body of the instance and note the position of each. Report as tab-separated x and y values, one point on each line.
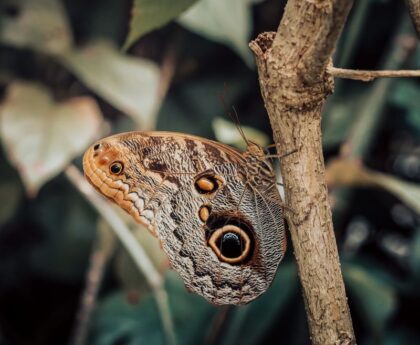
193	194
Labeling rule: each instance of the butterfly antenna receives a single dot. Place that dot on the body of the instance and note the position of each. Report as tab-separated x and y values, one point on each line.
235	119
234	116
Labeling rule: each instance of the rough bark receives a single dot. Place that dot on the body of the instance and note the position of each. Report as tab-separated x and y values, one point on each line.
414	10
292	66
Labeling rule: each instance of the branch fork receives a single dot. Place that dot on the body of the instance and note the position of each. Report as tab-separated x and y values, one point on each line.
292	65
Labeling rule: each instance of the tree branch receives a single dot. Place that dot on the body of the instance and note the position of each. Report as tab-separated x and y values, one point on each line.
364	75
294	84
307	35
414	10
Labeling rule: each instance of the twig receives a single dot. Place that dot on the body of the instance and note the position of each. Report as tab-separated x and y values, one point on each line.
365	75
370	114
216	330
98	261
133	247
168	67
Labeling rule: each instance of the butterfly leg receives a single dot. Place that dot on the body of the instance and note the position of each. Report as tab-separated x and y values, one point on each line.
283	204
279	156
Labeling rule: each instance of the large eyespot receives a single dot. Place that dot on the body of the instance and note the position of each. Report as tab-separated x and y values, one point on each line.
116	168
231	244
207	184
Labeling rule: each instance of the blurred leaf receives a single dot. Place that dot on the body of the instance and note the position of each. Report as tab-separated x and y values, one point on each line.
12	192
127	270
116	320
407	192
402	336
262	313
128	83
227	132
41	25
68	229
106	238
148	15
349	172
226	22
119	322
414	118
201	97
414	256
405	94
41	136
346	172
372	294
337	122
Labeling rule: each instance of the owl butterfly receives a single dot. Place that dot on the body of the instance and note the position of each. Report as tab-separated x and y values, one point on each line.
216	211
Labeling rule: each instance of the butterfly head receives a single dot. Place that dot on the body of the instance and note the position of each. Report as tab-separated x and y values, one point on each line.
255	150
258	162
107	168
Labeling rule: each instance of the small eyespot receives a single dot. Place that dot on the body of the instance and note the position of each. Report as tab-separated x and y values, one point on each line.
207	184
116	168
204	213
231	244
96	147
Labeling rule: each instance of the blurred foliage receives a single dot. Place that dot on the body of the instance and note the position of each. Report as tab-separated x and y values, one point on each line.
73	71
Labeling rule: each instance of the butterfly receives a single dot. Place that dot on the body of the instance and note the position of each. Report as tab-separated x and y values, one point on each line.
216	211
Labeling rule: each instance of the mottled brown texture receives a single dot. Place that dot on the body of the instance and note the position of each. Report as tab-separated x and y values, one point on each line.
414	10
190	192
294	84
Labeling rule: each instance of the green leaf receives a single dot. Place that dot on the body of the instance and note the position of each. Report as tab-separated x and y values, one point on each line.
405	94
414	118
226	22
40	25
407	192
41	136
249	324
130	84
117	320
373	295
148	15
191	313
227	132
68	227
127	271
336	124
11	191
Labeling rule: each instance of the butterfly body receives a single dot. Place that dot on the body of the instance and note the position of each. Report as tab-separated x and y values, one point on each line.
215	210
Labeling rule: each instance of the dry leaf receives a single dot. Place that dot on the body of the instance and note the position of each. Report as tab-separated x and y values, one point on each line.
41	136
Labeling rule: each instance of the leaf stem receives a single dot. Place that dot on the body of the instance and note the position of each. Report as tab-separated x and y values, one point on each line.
133	247
98	260
365	75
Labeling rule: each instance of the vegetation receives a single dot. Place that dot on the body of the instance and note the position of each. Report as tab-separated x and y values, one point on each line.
74	71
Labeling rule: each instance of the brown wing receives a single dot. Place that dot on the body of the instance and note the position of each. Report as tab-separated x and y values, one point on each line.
167	179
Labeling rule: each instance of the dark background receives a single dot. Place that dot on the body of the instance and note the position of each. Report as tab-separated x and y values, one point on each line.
45	241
